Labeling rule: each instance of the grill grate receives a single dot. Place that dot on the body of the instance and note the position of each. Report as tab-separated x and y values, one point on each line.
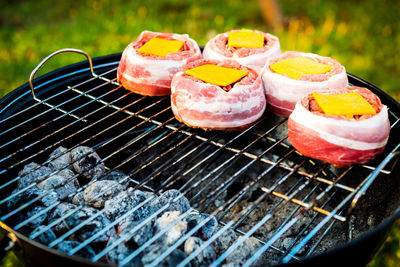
216	171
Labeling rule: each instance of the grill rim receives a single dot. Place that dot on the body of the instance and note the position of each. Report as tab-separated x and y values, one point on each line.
21	95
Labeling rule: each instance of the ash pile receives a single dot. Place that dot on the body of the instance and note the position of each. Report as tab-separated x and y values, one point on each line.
79	207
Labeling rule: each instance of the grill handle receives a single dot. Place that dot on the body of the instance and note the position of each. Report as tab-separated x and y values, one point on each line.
31	77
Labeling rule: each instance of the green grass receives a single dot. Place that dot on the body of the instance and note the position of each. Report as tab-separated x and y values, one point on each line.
363	36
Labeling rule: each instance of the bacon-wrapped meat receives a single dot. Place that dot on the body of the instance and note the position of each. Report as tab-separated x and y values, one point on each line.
150	74
233	107
338	139
255	58
284	91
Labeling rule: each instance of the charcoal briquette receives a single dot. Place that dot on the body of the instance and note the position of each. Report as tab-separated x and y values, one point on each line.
123	202
207	230
169	197
244	251
224	241
154	251
29	174
205	257
139	236
175	232
45	237
60	184
78	198
41	216
66	246
45	198
100	191
87	162
121	251
117	176
59	159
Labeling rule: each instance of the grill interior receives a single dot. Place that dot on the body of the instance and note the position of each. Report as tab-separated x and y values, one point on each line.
281	206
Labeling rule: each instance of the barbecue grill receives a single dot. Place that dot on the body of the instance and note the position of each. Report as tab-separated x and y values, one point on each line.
278	206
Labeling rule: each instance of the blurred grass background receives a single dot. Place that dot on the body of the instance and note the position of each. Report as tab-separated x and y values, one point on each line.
363	35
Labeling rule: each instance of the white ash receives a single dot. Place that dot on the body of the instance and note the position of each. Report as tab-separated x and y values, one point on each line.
66	246
77	199
45	237
117	176
123	202
175	232
60	158
170	196
60	184
154	251
225	240
207	230
32	173
70	176
99	192
205	257
87	162
287	244
121	251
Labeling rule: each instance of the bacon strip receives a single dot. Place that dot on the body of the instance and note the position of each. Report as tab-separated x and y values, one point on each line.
151	75
336	139
283	92
254	58
208	106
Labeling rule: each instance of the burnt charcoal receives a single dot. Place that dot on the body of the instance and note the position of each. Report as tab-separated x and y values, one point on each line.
59	158
29	175
224	241
168	197
38	220
121	251
67	246
123	202
141	235
47	198
94	225
70	176
205	257
154	251
175	232
288	242
117	176
207	230
61	210
87	163
60	184
244	251
46	237
78	198
99	192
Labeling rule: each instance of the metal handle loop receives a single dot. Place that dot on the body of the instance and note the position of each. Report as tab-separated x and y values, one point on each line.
51	55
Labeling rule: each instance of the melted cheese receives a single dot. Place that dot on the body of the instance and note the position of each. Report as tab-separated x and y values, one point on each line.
160	47
247	39
299	66
348	104
217	75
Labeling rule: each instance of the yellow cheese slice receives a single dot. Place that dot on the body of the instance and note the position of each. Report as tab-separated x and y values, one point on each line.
247	39
160	47
217	75
299	66
348	104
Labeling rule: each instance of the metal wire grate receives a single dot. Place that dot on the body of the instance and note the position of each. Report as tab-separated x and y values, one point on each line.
216	171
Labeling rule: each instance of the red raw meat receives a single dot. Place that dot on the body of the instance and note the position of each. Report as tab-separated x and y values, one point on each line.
283	92
149	74
255	58
208	106
337	139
